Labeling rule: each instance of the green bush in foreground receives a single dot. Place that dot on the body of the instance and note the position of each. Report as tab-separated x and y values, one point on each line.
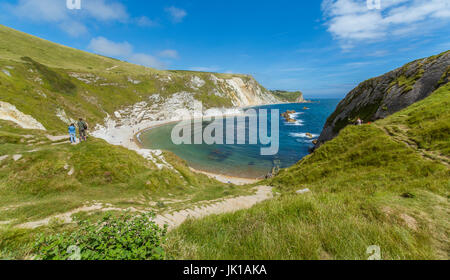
126	237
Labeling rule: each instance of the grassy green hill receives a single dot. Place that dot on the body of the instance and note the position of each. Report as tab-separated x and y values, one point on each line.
289	96
40	178
15	44
42	78
52	177
372	185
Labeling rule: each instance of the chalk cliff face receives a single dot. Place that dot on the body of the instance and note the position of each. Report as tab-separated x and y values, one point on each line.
380	97
300	99
245	91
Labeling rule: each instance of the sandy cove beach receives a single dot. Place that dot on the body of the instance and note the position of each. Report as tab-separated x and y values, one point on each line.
128	137
227	179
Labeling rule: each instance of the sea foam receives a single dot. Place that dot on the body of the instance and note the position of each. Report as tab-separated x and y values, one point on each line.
302	135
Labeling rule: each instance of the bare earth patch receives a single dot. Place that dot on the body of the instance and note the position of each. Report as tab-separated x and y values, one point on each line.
409	221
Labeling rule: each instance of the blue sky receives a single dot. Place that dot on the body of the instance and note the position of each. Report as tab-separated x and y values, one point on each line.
323	48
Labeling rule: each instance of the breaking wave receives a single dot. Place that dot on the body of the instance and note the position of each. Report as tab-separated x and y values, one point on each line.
303	135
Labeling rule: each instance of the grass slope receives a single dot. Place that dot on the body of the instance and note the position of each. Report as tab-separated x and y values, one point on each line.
428	129
43	79
38	185
15	44
366	189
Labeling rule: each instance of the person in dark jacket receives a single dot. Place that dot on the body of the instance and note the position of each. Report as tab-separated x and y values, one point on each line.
82	129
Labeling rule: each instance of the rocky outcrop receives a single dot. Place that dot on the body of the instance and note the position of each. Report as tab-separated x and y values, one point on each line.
287	116
300	99
10	113
244	91
380	97
288	96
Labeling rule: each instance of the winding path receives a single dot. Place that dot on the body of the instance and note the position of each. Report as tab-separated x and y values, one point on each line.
173	219
229	205
400	135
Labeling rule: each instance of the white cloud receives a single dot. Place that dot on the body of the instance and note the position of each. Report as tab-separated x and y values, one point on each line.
146	60
43	10
56	10
169	54
123	50
357	64
205	69
100	10
106	47
146	22
351	22
70	21
177	15
378	53
73	28
294	69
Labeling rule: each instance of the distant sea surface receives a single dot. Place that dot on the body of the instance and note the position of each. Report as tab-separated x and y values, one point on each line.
245	160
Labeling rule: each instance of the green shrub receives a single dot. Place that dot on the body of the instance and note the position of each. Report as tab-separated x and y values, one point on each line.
56	81
126	237
6	137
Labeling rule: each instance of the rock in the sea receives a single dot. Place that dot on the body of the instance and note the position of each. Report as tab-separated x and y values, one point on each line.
287	116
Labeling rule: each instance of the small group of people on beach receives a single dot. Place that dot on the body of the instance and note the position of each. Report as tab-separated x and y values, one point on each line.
82	131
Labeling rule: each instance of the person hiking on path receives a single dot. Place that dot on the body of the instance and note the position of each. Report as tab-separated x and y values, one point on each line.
359	122
82	128
73	134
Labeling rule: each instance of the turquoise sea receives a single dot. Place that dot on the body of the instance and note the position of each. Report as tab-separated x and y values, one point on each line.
246	160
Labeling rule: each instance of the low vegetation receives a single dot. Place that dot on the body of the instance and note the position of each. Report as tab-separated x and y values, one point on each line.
127	237
52	178
426	122
407	81
366	189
